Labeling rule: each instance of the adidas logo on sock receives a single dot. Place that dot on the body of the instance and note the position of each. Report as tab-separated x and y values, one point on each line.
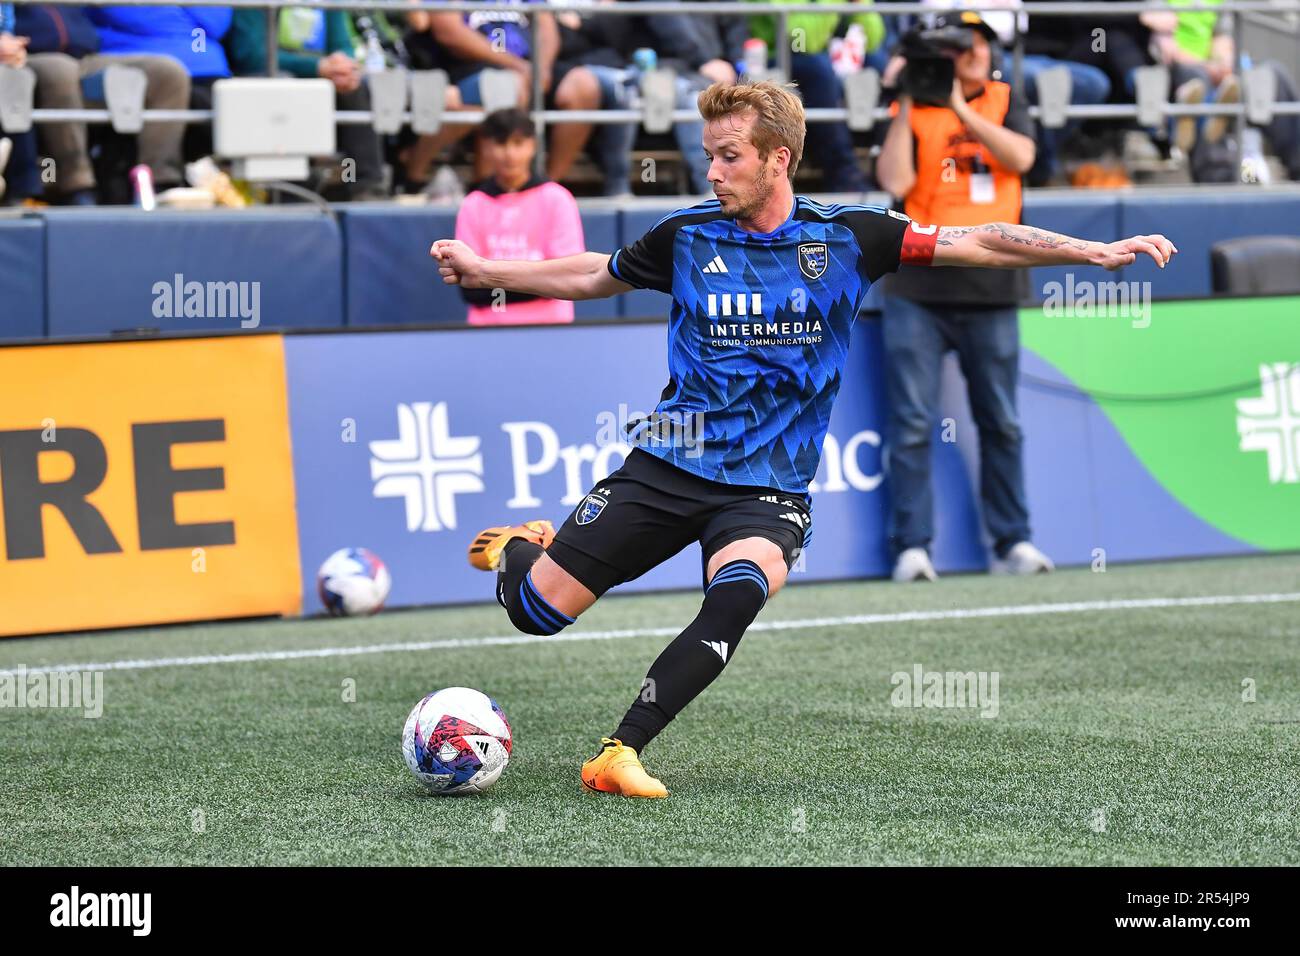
718	647
717	265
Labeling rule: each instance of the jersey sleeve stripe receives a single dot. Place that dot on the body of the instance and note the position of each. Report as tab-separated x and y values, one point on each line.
834	209
709	205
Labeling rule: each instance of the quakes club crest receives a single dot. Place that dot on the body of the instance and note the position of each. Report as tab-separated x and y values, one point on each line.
591	509
812	259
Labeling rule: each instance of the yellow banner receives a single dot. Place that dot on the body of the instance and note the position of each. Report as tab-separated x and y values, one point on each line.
145	482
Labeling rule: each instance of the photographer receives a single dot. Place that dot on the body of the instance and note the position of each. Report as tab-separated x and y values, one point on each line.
954	154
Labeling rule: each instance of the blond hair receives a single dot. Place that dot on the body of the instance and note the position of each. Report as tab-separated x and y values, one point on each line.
780	120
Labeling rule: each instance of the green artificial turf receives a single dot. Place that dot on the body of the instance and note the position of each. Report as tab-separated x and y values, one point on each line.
1121	736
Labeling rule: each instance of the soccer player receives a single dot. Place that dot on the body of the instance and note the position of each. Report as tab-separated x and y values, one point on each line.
766	286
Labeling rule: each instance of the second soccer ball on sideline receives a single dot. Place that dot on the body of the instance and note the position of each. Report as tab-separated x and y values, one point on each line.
457	741
353	581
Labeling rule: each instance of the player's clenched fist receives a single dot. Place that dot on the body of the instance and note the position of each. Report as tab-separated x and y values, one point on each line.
457	263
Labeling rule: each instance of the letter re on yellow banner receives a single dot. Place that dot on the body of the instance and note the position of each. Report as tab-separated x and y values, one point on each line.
145	482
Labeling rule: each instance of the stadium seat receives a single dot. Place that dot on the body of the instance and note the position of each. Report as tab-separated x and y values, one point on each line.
1257	265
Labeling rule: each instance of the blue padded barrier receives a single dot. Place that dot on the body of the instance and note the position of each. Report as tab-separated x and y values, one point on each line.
392	281
600	229
390	278
116	269
79	272
1195	219
22	278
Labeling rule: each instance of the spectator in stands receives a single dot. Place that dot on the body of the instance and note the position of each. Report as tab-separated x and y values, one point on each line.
1199	49
63	47
1115	45
388	28
602	45
701	49
515	215
467	44
1089	85
17	150
318	43
986	129
829	144
191	35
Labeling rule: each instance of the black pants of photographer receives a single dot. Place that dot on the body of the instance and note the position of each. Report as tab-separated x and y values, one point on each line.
987	342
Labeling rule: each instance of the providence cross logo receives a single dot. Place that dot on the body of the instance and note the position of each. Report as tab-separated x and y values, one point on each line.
1271	422
426	466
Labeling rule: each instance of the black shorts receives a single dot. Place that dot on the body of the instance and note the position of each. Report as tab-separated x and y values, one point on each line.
649	510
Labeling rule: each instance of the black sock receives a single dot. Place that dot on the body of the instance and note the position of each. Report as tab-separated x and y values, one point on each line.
697	656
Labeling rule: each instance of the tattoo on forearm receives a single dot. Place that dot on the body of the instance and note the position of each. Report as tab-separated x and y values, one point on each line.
1021	235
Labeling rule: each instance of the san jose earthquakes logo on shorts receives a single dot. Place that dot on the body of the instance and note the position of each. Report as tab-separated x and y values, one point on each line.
591	509
812	259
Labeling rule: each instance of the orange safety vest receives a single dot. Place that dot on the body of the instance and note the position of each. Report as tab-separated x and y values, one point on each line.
942	190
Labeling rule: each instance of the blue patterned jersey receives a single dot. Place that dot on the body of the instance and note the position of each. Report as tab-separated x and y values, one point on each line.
759	332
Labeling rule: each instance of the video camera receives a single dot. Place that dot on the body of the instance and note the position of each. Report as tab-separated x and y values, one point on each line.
930	53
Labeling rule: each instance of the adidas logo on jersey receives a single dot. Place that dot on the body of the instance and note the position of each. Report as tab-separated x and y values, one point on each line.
718	647
717	265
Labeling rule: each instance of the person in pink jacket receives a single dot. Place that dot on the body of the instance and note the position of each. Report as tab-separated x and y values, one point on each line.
516	215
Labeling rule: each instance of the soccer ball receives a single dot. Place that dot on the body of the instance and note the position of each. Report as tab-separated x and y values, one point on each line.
353	581
456	741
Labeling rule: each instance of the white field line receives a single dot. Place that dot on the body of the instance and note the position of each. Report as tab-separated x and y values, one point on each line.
902	617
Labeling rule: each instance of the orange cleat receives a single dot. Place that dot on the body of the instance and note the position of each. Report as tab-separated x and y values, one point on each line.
485	551
617	769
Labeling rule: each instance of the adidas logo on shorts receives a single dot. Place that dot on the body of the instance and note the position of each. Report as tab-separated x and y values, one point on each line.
797	518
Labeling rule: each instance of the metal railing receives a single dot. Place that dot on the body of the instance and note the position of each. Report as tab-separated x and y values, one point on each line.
783	53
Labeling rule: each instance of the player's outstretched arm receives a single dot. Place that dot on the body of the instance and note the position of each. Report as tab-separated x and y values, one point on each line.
1007	246
584	276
